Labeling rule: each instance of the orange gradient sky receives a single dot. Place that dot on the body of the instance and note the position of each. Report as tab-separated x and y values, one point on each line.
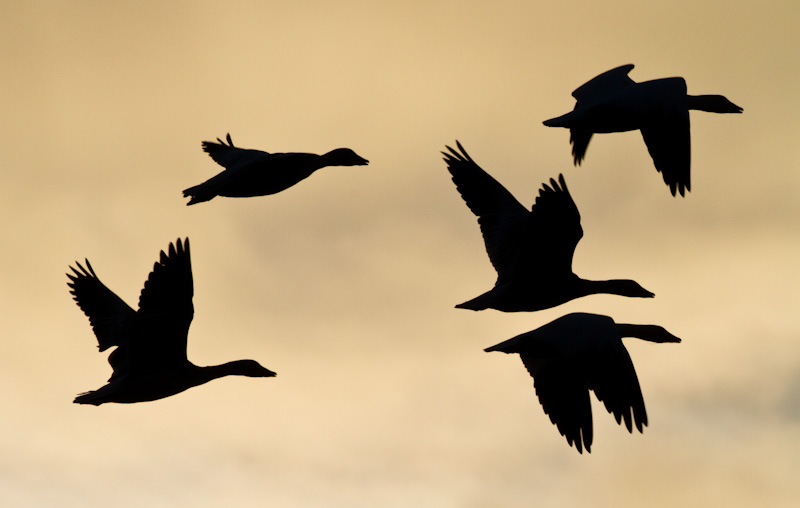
345	284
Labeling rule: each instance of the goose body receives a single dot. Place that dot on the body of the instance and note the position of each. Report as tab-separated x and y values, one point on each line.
530	250
149	361
577	353
613	102
251	173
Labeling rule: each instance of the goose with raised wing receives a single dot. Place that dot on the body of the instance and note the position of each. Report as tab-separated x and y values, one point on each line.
530	250
250	173
577	353
149	361
613	102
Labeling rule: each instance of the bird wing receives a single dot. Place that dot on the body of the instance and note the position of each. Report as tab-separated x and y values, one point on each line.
613	379
668	140
165	309
603	84
564	396
501	217
228	155
554	229
106	311
579	138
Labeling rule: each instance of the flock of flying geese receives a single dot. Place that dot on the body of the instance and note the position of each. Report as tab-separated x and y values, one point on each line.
531	250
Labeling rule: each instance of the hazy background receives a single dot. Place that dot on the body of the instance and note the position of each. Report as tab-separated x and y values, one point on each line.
345	284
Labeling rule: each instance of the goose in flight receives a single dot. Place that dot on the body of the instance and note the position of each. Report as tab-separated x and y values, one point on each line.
149	361
581	352
613	102
251	173
530	250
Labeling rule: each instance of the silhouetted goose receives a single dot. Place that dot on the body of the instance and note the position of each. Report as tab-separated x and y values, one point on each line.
581	352
251	173
150	361
613	102
530	250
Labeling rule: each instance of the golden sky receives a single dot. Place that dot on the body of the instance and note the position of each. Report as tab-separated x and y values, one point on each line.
345	284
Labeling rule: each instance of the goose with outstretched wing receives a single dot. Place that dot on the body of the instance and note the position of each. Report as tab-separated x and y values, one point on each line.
531	250
579	353
613	102
149	361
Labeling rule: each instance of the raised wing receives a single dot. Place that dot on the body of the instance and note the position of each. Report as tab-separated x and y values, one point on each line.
564	396
503	219
603	84
228	155
165	308
107	313
614	381
555	228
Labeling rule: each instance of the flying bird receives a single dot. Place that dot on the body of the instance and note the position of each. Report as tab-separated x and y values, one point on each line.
577	353
251	173
613	102
530	250
149	362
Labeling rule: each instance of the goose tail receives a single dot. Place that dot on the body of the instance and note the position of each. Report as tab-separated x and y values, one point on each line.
560	121
88	398
198	194
481	302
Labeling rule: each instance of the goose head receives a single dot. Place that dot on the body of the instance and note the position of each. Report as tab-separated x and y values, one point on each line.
712	104
651	333
621	287
345	157
249	368
629	288
252	368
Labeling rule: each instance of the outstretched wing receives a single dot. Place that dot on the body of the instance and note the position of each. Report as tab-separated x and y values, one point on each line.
165	308
614	381
501	217
668	139
106	311
228	155
564	396
555	228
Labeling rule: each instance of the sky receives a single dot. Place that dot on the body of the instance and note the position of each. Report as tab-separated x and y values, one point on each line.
345	284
